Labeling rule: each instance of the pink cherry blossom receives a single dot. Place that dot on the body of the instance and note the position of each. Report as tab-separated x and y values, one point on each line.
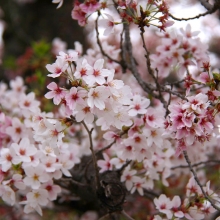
104	164
139	185
7	158
38	196
17	181
17	130
35	176
24	150
79	15
56	93
97	97
128	177
97	74
53	190
82	69
84	113
138	105
75	96
108	24
90	6
57	68
70	56
163	204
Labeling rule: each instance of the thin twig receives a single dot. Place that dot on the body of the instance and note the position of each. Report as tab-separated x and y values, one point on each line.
124	166
104	217
211	9
174	83
124	66
164	89
100	45
128	217
191	18
93	155
197	181
151	192
108	146
74	182
197	164
105	148
150	70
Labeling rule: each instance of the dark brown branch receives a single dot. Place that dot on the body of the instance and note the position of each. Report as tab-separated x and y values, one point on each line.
151	192
198	182
206	4
131	65
175	83
164	89
191	18
211	9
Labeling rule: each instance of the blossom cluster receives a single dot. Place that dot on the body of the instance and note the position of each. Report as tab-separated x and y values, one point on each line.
138	134
141	13
178	51
194	206
32	155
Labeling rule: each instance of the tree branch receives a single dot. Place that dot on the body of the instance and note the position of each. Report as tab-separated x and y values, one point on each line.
197	164
186	19
131	65
100	45
151	72
206	4
211	9
198	182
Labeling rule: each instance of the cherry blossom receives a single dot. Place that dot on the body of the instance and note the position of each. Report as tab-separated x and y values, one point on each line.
97	97
138	105
56	93
108	24
139	185
75	96
35	176
163	204
24	150
53	190
128	177
97	74
145	128
57	68
105	164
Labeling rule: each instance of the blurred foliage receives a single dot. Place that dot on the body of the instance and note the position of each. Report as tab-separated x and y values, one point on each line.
31	66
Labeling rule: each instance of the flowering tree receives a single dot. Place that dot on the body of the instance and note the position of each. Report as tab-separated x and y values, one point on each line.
130	120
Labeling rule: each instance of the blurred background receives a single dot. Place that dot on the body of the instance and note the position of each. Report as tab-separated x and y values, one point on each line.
27	30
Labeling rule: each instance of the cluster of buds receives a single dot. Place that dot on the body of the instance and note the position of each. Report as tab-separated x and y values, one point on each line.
145	14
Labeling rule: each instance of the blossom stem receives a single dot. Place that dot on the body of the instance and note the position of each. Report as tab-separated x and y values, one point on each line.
128	217
99	43
93	155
